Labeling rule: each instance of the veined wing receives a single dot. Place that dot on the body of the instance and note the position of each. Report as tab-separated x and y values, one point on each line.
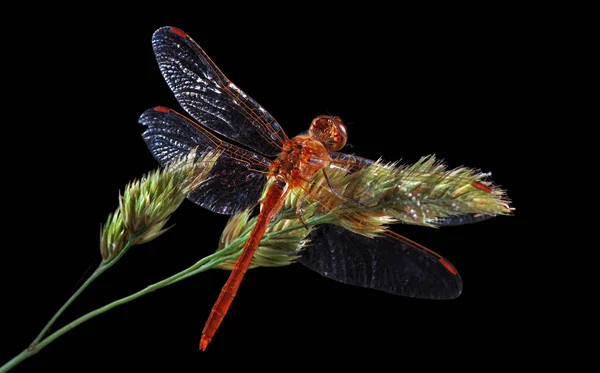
385	263
212	99
236	180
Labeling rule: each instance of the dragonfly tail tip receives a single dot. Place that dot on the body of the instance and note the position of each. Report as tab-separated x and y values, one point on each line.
203	343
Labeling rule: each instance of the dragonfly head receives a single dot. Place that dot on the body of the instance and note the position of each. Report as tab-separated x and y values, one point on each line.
331	131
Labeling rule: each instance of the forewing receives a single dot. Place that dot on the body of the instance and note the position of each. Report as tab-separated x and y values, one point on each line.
383	263
210	98
236	180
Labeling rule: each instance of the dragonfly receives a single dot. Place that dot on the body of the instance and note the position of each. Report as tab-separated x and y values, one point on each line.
256	153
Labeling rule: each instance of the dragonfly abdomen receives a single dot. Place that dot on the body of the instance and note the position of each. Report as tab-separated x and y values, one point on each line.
275	196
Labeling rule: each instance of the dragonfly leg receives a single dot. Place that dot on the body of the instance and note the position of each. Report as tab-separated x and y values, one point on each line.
300	210
340	195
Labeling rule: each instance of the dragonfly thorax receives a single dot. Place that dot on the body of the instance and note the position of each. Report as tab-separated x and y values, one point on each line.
301	158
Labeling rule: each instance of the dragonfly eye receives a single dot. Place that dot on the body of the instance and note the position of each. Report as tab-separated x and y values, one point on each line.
342	133
331	131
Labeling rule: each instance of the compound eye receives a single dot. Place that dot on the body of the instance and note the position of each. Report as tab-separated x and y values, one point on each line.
340	133
343	130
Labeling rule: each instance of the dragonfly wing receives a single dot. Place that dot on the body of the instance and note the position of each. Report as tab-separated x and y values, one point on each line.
210	98
454	220
382	263
236	180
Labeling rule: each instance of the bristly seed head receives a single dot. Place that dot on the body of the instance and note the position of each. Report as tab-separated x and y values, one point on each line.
146	204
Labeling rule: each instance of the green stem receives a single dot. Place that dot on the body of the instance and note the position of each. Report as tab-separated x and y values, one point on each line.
87	282
16	360
232	251
100	270
34	346
201	266
197	268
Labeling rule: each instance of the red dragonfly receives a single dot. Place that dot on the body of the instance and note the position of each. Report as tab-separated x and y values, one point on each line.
393	264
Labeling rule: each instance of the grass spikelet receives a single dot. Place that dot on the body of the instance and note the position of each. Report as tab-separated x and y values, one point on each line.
146	204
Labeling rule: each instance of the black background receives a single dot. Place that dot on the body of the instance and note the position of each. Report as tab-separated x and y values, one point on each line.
408	83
